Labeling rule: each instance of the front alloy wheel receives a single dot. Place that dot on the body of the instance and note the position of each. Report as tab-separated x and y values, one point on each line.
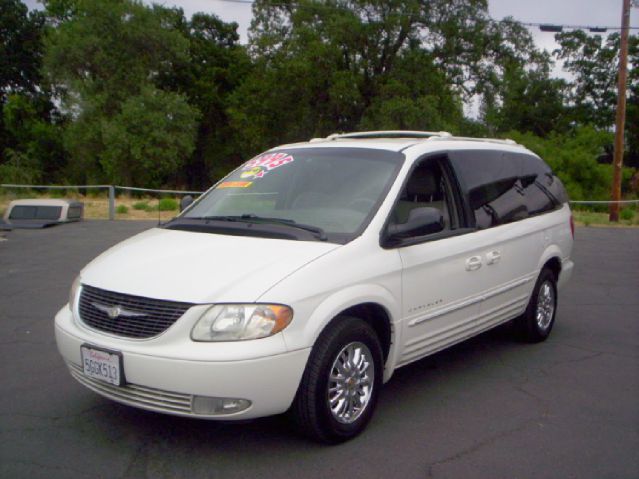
350	384
341	382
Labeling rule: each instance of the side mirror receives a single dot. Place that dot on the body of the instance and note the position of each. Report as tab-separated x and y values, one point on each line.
421	221
185	202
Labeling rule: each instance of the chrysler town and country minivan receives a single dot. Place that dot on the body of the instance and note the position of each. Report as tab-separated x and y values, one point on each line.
302	280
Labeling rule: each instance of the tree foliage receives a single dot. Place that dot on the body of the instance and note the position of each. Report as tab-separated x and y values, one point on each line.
20	48
216	65
592	98
30	146
106	58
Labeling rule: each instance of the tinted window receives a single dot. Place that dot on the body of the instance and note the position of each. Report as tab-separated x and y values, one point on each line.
504	187
537	177
493	182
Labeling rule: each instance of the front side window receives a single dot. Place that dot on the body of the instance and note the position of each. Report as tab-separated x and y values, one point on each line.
312	193
426	207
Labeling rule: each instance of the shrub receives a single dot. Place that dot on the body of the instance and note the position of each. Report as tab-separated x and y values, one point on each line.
56	193
141	205
122	209
168	204
627	214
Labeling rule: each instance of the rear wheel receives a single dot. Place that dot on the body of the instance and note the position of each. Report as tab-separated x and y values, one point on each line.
340	386
537	322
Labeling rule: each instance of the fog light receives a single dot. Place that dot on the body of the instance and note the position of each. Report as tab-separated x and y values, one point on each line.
218	406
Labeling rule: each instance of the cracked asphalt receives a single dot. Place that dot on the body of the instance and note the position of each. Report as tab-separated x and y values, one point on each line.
488	408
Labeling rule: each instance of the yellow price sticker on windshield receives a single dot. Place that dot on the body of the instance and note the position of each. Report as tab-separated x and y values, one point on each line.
234	184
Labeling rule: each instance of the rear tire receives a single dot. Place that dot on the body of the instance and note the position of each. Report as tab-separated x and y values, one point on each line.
339	389
536	323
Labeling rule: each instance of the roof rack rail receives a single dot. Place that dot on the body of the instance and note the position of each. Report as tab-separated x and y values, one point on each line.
388	134
506	141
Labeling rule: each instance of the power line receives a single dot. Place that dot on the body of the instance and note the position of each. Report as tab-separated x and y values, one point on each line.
544	27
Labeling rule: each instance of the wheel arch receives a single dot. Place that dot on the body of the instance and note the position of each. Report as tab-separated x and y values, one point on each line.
378	318
554	265
551	259
370	303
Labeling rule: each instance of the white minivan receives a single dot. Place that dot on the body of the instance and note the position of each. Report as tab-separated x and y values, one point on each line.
304	278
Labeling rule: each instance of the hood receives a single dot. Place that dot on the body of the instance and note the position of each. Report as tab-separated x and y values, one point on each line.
199	267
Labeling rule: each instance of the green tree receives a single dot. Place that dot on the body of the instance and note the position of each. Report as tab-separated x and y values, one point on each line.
216	65
147	141
30	146
321	67
325	66
105	58
531	101
593	61
35	140
20	48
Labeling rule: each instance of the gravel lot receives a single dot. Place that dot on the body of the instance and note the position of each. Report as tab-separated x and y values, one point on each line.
490	407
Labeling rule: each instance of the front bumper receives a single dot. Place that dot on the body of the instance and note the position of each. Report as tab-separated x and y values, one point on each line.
169	384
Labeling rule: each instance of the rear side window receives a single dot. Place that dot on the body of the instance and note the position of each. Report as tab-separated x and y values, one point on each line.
503	187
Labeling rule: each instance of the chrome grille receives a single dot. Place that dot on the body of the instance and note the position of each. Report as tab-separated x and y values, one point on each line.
140	396
141	317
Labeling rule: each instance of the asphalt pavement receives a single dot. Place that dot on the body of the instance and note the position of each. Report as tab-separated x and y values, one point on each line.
491	407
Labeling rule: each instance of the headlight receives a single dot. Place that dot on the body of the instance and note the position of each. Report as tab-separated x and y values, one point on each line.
236	322
75	287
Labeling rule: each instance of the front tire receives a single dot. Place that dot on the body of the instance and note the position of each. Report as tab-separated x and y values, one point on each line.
536	323
339	389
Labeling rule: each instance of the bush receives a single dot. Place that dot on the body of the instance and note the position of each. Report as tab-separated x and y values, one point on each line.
168	204
141	205
122	209
55	193
627	214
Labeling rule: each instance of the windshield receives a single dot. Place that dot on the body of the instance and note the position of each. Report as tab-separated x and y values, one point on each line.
327	193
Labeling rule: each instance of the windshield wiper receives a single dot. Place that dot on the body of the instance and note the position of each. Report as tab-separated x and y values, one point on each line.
215	218
253	218
321	234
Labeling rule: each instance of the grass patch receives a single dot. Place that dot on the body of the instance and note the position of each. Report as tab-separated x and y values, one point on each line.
122	209
627	217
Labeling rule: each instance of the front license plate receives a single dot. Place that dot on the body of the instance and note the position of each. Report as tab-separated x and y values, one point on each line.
102	364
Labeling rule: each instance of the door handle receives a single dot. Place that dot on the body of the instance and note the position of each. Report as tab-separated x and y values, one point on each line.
493	257
473	263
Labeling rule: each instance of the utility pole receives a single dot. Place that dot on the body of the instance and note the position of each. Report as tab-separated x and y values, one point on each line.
621	113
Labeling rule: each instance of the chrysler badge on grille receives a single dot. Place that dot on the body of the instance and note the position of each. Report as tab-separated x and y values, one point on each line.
116	311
